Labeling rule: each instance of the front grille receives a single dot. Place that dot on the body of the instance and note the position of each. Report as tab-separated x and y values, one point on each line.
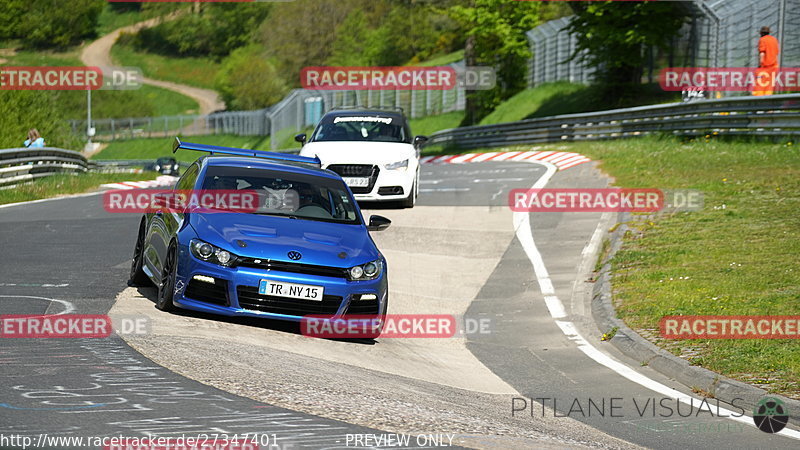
282	266
363	307
249	298
358	170
216	293
352	170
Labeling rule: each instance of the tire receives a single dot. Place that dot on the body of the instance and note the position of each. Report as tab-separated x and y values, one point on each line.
166	291
137	277
412	196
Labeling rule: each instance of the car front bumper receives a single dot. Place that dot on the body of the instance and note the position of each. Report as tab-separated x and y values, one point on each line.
389	185
234	292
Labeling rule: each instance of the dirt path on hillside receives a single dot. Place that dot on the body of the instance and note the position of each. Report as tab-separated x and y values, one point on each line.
98	53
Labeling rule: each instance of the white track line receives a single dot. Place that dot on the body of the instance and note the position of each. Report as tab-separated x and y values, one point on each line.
68	307
522	226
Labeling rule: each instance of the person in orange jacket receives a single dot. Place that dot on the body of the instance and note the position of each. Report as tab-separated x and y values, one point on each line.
768	50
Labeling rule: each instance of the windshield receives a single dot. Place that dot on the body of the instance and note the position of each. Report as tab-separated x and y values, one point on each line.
361	128
292	195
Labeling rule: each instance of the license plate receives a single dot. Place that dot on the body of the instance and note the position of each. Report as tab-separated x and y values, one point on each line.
291	290
356	181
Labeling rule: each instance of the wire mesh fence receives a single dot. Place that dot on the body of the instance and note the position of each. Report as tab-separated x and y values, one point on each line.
242	123
720	33
299	110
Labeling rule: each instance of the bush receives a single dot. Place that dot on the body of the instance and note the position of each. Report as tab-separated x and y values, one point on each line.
210	30
248	80
48	23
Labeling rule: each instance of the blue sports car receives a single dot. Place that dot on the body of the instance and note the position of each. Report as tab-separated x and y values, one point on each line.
303	250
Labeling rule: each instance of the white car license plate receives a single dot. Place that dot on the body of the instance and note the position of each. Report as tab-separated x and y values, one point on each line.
356	181
291	290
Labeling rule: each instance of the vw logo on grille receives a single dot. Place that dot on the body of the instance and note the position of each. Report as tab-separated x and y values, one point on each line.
295	256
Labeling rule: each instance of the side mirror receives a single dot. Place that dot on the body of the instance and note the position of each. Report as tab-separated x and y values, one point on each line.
419	141
378	223
301	138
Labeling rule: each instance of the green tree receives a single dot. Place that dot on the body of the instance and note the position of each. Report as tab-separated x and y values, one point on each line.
299	34
391	34
355	42
11	16
614	36
495	36
52	23
247	80
214	29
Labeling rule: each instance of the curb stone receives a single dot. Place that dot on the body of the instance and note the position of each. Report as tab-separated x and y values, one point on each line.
635	346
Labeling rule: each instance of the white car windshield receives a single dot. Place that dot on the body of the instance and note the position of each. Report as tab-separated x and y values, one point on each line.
353	128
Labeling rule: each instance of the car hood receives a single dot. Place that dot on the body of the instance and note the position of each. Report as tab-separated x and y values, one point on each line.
348	152
269	237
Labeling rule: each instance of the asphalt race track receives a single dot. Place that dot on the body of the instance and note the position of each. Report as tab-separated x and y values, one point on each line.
461	251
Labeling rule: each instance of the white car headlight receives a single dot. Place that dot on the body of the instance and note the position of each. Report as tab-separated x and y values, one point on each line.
399	165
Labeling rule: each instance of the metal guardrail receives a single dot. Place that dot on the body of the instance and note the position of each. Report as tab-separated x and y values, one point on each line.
777	116
20	165
24	164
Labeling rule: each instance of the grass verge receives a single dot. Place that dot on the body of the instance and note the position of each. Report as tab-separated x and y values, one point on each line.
64	184
551	99
428	125
195	71
738	256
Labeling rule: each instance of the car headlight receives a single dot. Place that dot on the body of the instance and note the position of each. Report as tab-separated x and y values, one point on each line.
158	168
368	271
399	165
207	252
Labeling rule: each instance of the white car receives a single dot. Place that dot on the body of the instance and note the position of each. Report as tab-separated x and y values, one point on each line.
373	151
